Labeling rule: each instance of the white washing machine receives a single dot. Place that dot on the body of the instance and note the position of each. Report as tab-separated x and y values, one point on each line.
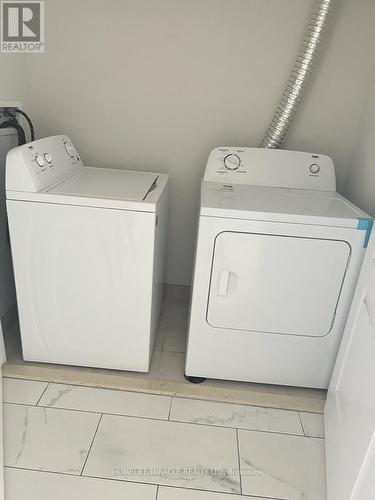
88	248
277	259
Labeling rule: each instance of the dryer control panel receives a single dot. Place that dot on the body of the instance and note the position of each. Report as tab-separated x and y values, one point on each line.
271	167
41	164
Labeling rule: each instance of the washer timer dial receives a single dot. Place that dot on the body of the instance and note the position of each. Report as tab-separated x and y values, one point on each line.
70	150
232	161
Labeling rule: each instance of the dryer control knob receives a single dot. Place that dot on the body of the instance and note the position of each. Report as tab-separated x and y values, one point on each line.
70	150
232	161
314	168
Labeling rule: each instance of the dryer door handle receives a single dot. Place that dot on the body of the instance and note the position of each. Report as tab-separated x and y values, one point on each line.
223	283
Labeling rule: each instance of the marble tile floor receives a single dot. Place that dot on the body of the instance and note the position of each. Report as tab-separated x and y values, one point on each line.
70	441
166	376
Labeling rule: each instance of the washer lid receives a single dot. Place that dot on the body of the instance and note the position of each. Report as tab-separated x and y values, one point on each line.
107	183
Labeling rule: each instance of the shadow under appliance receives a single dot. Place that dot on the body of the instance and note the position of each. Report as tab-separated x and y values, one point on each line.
277	259
88	247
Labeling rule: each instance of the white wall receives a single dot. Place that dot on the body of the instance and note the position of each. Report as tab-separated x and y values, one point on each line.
12	75
155	84
12	81
360	182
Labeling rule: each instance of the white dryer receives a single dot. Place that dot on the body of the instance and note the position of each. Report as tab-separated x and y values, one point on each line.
277	259
88	248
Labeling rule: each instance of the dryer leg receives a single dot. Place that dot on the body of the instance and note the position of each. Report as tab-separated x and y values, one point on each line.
195	380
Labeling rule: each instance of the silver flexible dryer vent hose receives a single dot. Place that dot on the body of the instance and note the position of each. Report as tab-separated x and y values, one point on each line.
300	75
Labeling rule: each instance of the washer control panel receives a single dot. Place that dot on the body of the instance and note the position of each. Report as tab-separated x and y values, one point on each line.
42	163
271	167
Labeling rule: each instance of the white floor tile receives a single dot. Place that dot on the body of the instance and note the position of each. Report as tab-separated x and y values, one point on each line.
233	415
166	493
313	424
106	401
32	485
47	439
21	391
175	340
174	318
163	452
282	466
172	367
159	341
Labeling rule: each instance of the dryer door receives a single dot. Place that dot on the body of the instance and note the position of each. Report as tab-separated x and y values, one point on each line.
276	284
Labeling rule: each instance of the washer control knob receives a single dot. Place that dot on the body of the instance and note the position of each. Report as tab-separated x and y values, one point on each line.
70	150
39	160
232	161
48	158
314	168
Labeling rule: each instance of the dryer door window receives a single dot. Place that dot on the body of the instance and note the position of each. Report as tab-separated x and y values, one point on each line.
276	284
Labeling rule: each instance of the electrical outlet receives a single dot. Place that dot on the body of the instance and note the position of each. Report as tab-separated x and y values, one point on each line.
7	105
